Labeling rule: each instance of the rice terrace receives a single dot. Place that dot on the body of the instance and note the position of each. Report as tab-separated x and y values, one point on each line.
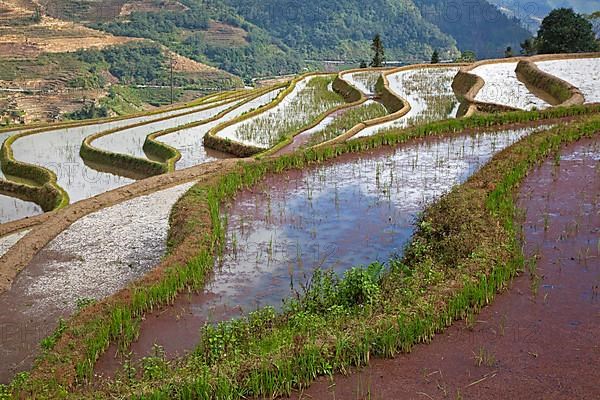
243	199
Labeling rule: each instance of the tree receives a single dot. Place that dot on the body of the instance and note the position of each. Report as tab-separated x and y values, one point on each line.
564	31
379	52
508	52
528	47
363	64
435	57
36	17
467	56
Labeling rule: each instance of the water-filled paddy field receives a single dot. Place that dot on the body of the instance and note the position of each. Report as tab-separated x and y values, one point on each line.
584	73
503	87
354	210
93	258
188	141
311	97
364	81
429	94
131	140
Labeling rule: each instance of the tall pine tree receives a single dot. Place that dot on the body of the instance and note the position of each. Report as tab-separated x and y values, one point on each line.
379	52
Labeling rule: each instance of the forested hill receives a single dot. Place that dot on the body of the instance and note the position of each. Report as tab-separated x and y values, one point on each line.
343	29
265	37
410	28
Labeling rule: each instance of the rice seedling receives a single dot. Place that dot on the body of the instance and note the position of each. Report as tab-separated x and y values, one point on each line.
310	98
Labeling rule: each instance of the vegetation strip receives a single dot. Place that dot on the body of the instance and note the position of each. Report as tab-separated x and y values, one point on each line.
213	141
464	252
128	163
196	237
466	85
43	188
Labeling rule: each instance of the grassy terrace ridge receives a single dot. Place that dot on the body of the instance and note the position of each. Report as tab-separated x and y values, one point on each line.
42	187
196	236
169	155
396	105
137	166
214	141
466	85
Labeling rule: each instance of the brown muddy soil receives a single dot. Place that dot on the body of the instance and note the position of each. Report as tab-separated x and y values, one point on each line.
49	225
537	341
290	223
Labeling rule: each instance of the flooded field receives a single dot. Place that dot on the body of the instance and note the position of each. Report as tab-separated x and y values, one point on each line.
354	210
6	242
93	258
363	81
189	141
310	98
429	93
583	73
131	140
12	209
503	87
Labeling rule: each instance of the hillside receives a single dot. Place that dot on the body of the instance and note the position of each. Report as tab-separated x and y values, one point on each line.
252	38
533	12
51	69
410	28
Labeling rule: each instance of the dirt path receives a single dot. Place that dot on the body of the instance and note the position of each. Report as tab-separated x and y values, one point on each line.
525	345
51	224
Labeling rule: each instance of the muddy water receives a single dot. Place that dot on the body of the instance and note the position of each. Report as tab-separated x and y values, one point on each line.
94	257
542	343
131	140
429	93
355	210
189	141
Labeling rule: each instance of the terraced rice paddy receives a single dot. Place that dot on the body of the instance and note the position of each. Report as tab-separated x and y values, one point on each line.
12	208
58	151
189	141
363	81
310	98
130	141
584	73
93	258
429	93
503	87
352	211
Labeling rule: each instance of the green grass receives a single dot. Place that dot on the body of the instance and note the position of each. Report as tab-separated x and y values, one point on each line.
295	348
347	121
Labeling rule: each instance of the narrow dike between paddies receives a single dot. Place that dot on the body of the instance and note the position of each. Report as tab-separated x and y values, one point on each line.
540	336
290	224
95	257
188	141
502	87
308	100
13	208
365	81
428	91
583	73
58	151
